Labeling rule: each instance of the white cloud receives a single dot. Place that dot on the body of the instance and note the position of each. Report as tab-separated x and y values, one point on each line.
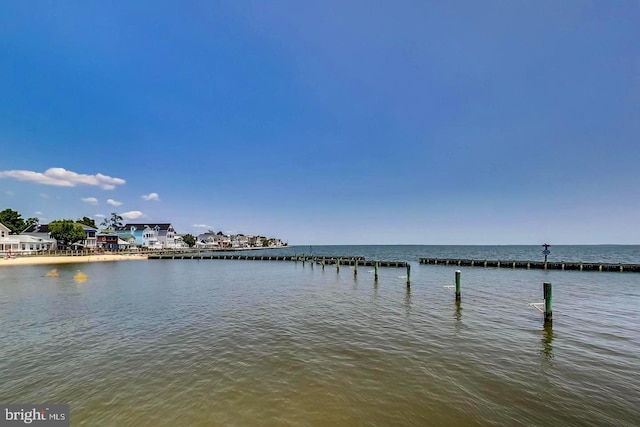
131	214
151	196
99	216
113	202
37	213
63	178
201	226
90	200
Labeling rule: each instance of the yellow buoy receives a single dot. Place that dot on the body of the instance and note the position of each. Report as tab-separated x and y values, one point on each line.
53	273
80	277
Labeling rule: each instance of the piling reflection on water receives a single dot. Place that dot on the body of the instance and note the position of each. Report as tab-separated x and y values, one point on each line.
547	340
248	343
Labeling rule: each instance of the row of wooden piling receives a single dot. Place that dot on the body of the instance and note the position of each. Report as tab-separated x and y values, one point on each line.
344	260
323	261
530	265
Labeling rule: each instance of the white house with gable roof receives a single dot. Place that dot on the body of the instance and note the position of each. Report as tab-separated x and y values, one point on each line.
15	244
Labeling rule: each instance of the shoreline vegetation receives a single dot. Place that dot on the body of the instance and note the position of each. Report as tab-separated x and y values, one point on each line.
70	257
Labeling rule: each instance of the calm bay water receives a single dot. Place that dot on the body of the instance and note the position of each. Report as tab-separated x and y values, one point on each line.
187	342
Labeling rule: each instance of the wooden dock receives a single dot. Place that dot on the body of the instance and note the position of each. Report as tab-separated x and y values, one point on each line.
328	260
530	265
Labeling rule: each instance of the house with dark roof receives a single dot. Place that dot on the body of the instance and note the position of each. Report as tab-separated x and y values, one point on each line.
17	243
42	231
211	239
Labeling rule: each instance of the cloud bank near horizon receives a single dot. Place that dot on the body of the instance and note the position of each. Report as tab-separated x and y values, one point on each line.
61	177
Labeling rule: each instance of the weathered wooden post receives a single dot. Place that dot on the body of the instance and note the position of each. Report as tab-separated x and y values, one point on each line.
295	258
337	265
355	267
458	293
303	259
375	271
408	275
548	300
323	263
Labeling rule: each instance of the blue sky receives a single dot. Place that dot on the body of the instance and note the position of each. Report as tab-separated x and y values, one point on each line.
333	122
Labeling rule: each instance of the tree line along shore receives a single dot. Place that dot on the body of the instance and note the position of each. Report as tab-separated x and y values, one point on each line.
29	237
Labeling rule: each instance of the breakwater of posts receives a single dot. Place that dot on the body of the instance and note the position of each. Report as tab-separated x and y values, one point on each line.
343	260
538	265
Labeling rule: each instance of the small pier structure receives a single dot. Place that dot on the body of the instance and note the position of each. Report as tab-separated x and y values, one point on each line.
342	260
530	265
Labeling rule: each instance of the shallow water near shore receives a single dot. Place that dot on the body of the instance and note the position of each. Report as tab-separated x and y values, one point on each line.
214	342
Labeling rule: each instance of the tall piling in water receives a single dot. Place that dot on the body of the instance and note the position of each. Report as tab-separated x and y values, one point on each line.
548	301
458	293
355	267
337	265
408	275
375	271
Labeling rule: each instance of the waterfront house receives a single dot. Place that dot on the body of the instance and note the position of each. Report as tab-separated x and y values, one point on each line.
151	235
37	230
255	241
179	242
239	241
145	236
126	241
91	241
222	239
108	241
41	231
214	240
277	242
22	244
8	245
207	240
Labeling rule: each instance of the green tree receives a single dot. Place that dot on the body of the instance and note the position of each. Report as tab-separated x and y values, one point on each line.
87	221
266	242
31	221
66	231
189	239
12	220
113	222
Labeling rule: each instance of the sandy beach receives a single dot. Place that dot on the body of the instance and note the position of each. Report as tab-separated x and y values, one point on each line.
35	260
